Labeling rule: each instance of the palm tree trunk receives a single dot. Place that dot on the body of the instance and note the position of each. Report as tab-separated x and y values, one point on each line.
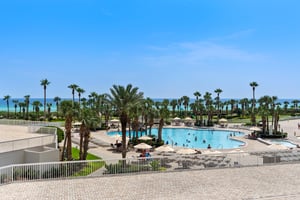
86	143
68	126
124	119
160	127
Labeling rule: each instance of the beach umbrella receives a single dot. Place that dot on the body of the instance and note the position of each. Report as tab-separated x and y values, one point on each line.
164	148
188	119
145	137
186	151
115	121
176	118
223	120
142	146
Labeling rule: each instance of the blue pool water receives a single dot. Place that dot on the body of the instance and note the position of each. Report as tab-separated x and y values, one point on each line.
283	142
193	138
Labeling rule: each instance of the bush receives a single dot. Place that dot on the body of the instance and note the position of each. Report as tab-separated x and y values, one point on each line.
120	169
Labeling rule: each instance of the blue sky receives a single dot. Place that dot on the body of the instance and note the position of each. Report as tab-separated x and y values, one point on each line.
167	48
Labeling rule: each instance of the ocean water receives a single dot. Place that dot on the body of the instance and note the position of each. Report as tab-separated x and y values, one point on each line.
3	106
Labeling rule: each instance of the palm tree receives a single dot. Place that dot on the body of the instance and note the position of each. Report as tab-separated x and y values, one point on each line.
253	85
163	113
244	103
73	87
173	104
209	108
57	100
185	103
44	83
27	101
36	107
80	91
68	112
286	104
89	121
7	98
49	105
196	106
124	99
15	101
218	91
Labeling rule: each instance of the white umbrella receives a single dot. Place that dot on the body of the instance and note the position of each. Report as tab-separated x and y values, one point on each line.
142	146
188	119
115	121
164	148
145	137
176	118
223	120
186	151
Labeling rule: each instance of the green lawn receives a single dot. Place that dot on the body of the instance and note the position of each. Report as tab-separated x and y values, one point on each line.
88	168
75	155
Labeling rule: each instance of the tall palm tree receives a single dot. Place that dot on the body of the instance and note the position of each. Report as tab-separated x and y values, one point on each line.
218	91
44	83
68	112
27	101
209	108
16	102
36	107
80	91
196	106
244	103
173	104
57	100
73	87
253	85
163	113
124	99
286	104
185	103
7	98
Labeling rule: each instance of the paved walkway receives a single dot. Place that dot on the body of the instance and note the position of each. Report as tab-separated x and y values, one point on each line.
268	182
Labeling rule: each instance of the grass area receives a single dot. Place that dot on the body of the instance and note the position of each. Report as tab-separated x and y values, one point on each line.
89	167
75	155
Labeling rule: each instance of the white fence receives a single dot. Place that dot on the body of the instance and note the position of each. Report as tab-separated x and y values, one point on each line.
71	169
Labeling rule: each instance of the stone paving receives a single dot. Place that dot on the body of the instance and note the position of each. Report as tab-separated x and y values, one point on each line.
249	183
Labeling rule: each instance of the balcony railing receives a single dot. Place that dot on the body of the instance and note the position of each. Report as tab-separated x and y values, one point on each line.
129	166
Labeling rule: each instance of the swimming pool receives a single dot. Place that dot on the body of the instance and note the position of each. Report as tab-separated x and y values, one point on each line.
198	138
282	142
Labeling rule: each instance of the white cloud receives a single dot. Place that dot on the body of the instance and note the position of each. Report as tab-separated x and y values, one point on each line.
199	53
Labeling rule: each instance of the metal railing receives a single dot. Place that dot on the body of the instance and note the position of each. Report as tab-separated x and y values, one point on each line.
129	166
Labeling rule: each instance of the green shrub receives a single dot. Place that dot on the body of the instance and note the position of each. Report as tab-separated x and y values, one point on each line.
155	165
